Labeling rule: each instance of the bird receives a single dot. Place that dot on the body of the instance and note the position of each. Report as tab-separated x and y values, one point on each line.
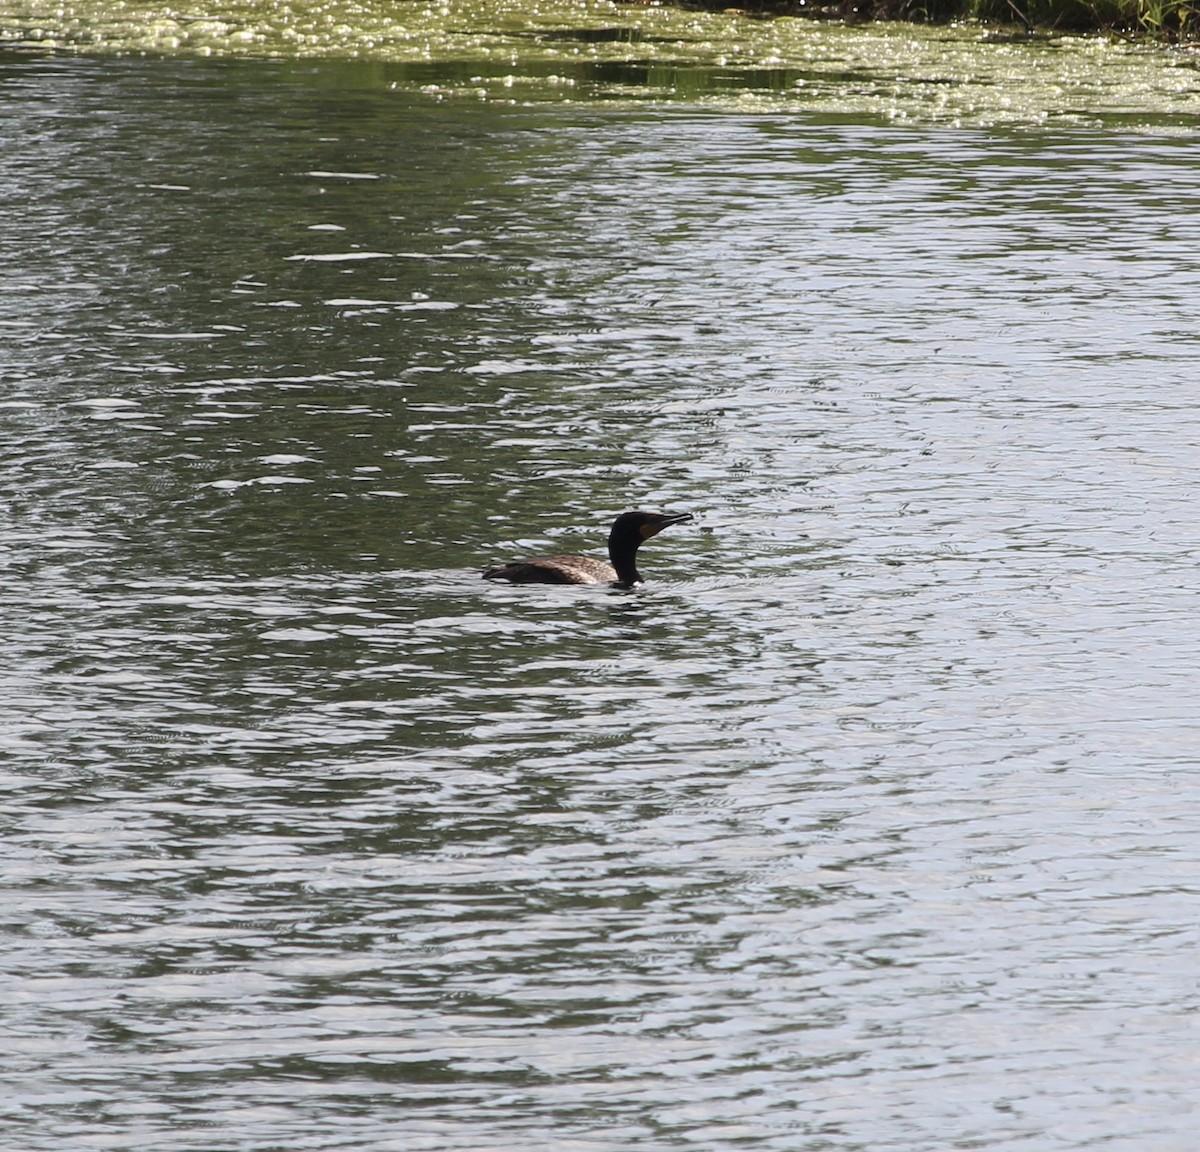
629	531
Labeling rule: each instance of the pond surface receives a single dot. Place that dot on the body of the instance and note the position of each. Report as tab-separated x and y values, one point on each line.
870	823
521	51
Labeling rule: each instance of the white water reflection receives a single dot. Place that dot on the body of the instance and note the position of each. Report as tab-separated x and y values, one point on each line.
868	823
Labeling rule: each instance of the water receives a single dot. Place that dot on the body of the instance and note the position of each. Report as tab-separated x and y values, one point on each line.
569	51
869	823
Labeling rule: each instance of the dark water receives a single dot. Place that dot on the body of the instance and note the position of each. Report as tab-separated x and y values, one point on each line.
869	823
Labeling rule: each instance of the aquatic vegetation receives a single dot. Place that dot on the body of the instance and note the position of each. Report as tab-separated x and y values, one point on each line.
520	51
1171	20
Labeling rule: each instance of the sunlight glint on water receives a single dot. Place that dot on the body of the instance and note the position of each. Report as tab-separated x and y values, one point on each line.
570	51
867	824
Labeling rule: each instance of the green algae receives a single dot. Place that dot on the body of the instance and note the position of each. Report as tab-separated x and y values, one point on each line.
583	50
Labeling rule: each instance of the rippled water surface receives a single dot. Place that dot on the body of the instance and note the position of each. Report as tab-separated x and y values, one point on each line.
870	823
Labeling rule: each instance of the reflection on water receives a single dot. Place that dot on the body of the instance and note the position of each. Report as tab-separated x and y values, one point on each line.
866	824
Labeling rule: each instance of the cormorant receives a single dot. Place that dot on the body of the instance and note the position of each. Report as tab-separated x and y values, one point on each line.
629	530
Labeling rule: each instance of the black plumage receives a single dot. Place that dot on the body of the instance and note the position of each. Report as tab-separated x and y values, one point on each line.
629	531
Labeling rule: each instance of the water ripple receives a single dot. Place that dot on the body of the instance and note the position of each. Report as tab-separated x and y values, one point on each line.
865	824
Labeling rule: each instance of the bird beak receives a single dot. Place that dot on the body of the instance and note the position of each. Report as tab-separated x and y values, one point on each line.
649	530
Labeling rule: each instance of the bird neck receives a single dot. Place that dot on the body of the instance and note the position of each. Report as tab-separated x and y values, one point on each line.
623	554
